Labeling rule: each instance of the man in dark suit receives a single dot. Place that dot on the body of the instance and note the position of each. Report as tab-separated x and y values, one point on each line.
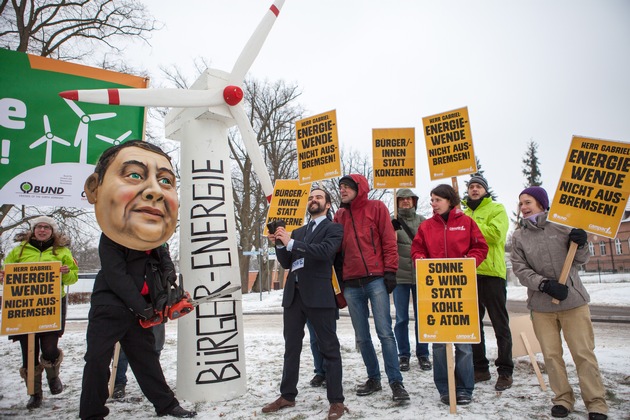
309	253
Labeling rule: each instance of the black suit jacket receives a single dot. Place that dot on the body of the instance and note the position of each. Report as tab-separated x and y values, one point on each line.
319	254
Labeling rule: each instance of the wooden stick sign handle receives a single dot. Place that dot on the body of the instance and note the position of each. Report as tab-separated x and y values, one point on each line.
568	263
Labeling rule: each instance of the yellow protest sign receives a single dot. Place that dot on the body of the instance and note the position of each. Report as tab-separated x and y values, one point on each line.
394	157
449	144
447	300
288	203
31	300
318	147
594	187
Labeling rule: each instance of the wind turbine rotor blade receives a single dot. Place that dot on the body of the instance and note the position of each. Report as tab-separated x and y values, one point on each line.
255	43
61	141
103	116
124	136
253	149
176	98
37	142
46	124
105	139
75	108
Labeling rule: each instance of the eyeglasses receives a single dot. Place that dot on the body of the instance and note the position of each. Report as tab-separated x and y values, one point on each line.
405	198
43	227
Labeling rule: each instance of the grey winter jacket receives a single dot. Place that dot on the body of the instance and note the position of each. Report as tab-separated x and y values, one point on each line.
538	253
406	273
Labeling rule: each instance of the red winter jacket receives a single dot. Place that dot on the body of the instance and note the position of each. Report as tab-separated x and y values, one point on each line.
369	241
458	238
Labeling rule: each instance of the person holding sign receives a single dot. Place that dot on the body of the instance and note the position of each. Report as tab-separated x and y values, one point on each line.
450	234
370	262
492	219
309	254
44	243
539	250
406	225
133	189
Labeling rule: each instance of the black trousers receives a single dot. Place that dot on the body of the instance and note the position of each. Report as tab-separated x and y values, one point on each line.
47	342
107	325
324	321
492	296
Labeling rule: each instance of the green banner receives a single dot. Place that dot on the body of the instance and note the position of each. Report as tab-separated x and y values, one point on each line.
49	145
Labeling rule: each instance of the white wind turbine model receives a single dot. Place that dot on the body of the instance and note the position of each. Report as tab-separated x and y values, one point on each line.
223	98
211	345
48	138
81	138
115	141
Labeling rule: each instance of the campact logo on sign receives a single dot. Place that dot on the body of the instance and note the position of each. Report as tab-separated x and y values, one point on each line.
466	336
28	188
599	228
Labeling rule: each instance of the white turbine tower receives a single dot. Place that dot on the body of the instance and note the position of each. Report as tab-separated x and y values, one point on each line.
211	348
48	138
81	138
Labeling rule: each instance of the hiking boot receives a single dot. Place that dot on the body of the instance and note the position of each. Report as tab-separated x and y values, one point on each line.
119	392
369	387
425	363
481	376
278	404
336	411
597	416
35	401
463	399
504	382
404	363
318	380
179	412
445	400
55	385
399	393
559	411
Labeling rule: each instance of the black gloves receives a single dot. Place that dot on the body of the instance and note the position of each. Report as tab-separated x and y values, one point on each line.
390	281
554	289
396	224
147	313
578	236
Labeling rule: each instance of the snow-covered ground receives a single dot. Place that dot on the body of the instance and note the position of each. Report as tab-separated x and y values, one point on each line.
264	348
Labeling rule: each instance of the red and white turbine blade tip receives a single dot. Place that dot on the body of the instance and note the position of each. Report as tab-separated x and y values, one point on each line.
255	43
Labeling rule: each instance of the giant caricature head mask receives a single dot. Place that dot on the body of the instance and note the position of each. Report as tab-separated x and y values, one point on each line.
133	189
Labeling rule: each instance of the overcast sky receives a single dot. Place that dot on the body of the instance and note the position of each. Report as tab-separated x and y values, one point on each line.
536	69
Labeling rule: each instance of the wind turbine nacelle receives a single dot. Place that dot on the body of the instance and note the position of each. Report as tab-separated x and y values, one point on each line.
211	79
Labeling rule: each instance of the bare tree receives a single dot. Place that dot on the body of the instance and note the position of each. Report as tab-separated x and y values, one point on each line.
70	30
273	111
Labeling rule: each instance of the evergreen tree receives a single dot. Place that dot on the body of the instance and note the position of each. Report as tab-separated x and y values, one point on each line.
531	165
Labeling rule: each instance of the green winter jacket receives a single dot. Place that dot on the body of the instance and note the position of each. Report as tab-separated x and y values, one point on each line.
32	254
493	222
406	273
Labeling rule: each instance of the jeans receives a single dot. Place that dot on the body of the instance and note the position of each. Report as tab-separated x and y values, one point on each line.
401	329
492	297
376	294
159	333
318	359
464	372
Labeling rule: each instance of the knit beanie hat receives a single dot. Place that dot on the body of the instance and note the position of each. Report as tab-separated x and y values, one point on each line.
349	182
44	219
478	179
539	194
